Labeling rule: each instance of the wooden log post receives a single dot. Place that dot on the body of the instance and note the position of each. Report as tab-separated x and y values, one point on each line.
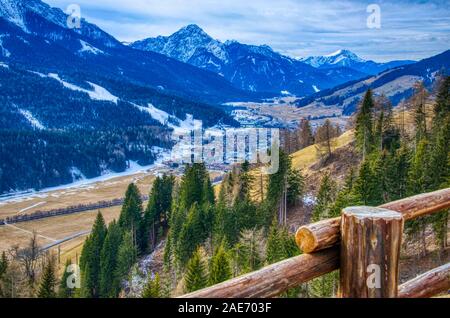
370	249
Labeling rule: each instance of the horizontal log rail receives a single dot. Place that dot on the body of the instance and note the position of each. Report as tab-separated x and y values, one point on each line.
324	234
428	284
274	279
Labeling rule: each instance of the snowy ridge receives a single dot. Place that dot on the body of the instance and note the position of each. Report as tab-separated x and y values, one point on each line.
183	44
31	119
99	93
4	52
338	58
87	48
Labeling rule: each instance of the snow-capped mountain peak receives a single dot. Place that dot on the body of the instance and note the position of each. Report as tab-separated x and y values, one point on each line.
184	44
343	58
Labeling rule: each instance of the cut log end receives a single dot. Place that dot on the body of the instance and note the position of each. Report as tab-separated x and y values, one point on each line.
364	212
305	239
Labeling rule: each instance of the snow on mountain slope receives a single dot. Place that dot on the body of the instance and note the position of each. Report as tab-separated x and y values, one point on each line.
348	59
31	119
87	48
255	68
99	93
394	83
183	44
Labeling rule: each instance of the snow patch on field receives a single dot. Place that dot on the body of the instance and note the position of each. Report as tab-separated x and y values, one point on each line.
315	88
31	119
87	48
4	65
99	93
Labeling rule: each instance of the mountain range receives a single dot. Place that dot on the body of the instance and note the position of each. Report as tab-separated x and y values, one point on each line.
260	68
346	58
78	100
396	84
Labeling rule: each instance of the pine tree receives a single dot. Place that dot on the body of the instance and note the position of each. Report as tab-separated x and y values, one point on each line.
219	268
364	125
191	235
249	252
368	187
274	252
131	216
48	281
64	291
109	285
126	257
417	177
420	116
195	277
277	190
296	185
153	288
157	212
90	259
325	199
442	105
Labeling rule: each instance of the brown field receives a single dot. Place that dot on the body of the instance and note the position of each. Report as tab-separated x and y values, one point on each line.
52	229
101	191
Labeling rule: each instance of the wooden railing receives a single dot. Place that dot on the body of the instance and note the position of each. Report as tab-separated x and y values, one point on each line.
364	244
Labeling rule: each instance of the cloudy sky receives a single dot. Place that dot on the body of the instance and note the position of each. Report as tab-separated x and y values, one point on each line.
410	29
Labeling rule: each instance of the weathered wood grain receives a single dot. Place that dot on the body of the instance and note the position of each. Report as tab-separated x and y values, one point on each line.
370	249
428	284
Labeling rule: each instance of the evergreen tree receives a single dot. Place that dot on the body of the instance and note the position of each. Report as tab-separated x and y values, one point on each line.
157	212
417	178
195	277
345	196
191	235
64	291
109	285
274	252
364	125
249	252
277	190
442	105
126	257
131	216
48	281
296	185
325	198
153	288
245	182
219	268
90	259
325	286
420	116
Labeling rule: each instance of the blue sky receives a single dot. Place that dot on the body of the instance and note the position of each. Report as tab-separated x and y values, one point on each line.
409	29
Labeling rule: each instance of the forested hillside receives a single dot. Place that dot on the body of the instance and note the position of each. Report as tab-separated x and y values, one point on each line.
210	238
